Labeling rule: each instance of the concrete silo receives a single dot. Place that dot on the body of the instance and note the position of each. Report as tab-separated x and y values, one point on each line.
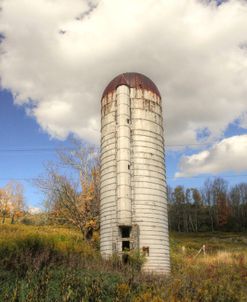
133	205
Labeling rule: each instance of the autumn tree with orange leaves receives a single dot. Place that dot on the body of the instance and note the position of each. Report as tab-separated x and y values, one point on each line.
74	200
12	201
4	204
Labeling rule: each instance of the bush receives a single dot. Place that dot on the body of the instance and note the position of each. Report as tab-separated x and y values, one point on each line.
26	221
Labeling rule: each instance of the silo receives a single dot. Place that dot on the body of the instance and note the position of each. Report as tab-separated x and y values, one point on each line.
133	203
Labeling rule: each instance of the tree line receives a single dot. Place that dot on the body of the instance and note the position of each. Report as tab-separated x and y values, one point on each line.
214	207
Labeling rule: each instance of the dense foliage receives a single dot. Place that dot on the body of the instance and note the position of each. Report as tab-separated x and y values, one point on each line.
215	207
54	264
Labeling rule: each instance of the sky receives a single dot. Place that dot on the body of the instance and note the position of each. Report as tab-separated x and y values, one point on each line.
56	59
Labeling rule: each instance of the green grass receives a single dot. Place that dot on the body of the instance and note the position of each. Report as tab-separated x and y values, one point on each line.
45	263
214	242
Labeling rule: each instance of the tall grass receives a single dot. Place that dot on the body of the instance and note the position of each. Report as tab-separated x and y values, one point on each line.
54	264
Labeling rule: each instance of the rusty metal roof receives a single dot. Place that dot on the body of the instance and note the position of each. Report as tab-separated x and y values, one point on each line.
133	80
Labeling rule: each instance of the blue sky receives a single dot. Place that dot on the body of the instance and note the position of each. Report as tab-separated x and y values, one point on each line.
56	59
19	131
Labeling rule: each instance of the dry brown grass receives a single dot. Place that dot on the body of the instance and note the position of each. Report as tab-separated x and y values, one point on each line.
224	257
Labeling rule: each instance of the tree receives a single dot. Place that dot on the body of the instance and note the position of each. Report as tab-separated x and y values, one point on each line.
198	208
223	209
238	205
219	188
69	204
4	204
84	159
15	193
179	201
12	201
74	202
208	198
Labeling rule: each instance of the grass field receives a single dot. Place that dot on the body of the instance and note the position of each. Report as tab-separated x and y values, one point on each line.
48	263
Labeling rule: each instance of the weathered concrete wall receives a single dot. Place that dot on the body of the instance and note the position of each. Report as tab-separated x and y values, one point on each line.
108	202
124	215
148	179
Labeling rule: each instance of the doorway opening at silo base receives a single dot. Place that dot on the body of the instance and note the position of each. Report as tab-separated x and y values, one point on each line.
125	246
125	232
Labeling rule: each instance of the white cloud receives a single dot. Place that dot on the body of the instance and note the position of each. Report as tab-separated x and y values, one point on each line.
227	155
34	210
62	55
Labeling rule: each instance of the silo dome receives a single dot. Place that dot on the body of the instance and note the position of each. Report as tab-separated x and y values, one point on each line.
132	80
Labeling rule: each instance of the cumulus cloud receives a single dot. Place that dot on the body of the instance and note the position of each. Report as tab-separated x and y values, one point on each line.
34	210
57	57
227	155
